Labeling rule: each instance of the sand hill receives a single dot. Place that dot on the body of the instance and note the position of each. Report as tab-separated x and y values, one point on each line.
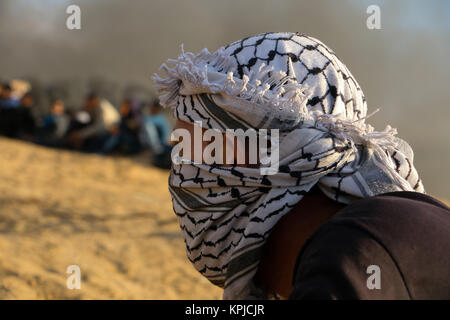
110	216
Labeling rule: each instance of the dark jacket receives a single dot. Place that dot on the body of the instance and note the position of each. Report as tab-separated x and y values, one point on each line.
404	234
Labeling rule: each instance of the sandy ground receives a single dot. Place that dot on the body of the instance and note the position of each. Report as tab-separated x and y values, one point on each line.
110	216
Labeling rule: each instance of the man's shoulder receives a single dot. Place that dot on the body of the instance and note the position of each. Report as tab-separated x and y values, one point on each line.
406	234
392	206
396	218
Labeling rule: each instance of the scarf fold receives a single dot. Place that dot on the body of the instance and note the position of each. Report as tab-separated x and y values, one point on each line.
284	81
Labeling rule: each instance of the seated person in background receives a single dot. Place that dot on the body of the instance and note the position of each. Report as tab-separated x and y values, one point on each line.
157	130
57	121
26	125
7	101
8	113
125	136
54	125
103	120
16	119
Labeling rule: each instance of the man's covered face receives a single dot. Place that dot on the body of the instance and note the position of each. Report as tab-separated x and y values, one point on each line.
237	147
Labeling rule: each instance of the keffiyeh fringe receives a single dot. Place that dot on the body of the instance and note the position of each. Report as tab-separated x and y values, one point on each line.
211	73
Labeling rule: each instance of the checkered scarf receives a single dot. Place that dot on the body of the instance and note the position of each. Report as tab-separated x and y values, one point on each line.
284	81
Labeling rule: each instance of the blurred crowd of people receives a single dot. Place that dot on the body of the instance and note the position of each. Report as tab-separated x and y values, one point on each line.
97	127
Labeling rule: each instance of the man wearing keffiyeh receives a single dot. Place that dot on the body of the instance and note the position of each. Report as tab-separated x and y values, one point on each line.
296	84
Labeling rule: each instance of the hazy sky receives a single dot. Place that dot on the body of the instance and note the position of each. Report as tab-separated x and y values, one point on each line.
402	68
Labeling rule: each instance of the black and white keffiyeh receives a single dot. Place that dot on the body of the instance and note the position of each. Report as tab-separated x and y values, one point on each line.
294	83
